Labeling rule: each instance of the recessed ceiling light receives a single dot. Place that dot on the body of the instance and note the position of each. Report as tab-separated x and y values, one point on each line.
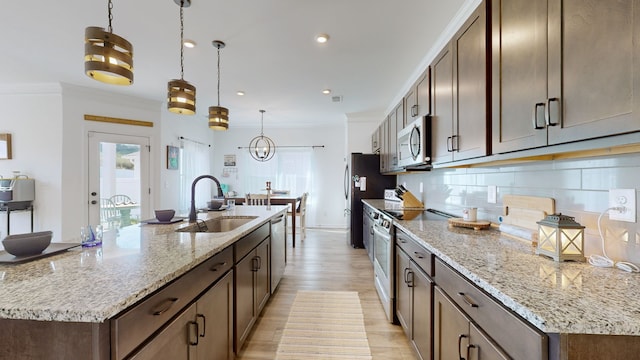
322	38
240	93
189	43
326	91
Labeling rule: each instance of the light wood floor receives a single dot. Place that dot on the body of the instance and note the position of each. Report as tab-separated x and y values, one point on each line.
324	261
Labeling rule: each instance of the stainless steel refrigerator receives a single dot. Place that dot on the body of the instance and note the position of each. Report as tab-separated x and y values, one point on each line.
362	180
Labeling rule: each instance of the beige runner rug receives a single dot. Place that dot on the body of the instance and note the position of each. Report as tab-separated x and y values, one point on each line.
324	325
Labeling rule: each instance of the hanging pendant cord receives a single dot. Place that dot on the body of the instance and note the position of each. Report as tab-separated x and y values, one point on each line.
110	7
218	75
181	40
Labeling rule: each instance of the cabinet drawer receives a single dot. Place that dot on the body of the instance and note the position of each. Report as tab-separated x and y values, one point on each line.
417	253
249	242
517	337
134	326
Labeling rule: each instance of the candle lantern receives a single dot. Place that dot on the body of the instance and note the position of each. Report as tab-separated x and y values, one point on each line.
560	238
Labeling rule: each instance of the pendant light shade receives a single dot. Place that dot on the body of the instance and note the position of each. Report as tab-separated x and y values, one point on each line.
218	115
181	96
108	57
261	147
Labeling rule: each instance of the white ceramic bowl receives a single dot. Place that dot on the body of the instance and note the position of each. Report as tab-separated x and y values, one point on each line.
27	244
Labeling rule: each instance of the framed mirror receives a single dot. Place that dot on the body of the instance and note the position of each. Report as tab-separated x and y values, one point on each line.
5	146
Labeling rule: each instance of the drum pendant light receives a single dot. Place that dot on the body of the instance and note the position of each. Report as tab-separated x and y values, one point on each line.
181	98
108	57
218	115
261	147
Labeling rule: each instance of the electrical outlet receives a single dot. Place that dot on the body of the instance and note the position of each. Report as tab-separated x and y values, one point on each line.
492	194
626	199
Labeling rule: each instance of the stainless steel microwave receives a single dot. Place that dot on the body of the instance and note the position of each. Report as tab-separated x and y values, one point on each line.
414	144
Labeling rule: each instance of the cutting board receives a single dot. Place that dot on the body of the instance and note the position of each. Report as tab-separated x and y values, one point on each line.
524	212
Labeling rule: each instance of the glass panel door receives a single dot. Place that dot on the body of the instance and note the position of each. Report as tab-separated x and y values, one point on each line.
118	179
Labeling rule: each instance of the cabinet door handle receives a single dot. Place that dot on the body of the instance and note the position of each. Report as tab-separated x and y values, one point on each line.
419	255
460	337
409	278
469	348
168	303
259	262
204	324
193	324
536	108
455	143
450	144
217	266
548	112
468	300
414	107
255	263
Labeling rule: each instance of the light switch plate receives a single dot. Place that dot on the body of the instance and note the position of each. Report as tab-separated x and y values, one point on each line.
623	198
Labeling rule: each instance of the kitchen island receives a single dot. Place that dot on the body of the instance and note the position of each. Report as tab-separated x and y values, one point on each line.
578	306
86	288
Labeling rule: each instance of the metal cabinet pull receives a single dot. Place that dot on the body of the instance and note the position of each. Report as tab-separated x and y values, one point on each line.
455	143
168	303
408	277
548	112
204	324
419	255
450	144
217	266
536	107
259	263
468	300
255	264
468	348
460	337
414	107
193	324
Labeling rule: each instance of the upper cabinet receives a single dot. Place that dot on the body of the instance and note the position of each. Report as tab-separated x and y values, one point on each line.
395	123
459	94
375	141
417	99
563	70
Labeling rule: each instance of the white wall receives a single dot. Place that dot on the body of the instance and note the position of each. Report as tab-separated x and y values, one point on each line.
326	201
32	114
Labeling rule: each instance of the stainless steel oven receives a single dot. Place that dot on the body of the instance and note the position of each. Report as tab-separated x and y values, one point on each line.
383	262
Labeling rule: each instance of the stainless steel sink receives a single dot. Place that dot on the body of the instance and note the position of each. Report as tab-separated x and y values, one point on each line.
219	224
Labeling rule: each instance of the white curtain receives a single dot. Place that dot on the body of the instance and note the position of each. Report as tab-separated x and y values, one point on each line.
194	161
290	169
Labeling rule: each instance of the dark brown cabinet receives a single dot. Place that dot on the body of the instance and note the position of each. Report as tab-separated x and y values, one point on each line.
563	70
417	101
252	289
202	331
459	93
457	337
414	289
384	146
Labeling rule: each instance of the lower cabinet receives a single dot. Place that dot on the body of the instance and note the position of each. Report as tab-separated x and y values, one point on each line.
202	331
414	289
457	337
252	290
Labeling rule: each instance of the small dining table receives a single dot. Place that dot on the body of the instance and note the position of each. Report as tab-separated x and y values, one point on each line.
280	200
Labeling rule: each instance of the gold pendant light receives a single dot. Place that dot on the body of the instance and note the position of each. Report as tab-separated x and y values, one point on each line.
261	147
181	98
218	115
108	57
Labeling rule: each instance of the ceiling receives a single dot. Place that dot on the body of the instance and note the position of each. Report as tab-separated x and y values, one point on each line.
374	50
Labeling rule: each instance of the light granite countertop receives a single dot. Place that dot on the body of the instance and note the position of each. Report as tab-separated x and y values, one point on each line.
95	284
569	297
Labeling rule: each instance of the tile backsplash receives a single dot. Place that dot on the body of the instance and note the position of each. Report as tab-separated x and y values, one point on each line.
580	188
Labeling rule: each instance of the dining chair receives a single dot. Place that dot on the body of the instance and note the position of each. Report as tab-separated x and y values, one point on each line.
301	212
255	199
109	216
121	199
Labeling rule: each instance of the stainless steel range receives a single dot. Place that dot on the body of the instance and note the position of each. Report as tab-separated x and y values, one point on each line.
383	262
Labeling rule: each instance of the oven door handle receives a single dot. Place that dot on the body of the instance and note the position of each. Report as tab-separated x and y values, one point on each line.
380	233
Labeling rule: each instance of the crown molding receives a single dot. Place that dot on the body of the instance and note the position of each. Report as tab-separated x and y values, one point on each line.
30	89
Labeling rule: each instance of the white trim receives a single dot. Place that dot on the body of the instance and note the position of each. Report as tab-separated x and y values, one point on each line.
30	89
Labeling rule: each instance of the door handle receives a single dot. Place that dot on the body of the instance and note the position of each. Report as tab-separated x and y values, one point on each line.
536	108
548	112
460	337
93	202
204	324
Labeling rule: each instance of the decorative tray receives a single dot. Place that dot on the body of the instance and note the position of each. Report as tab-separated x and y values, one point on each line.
158	222
52	249
475	225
